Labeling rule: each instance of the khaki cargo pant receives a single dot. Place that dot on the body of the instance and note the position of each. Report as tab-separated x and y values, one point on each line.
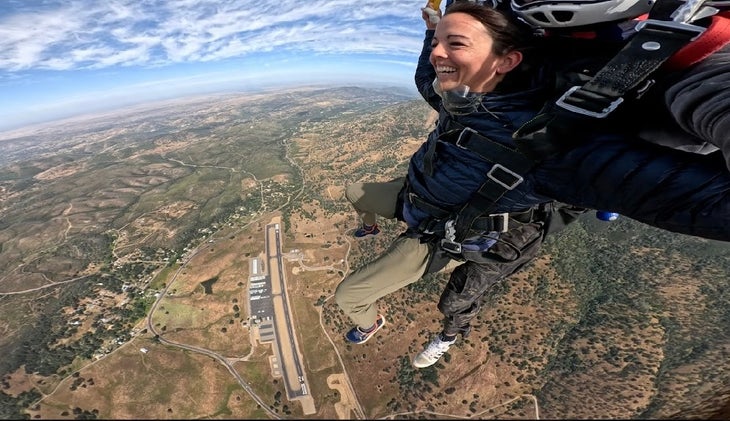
403	263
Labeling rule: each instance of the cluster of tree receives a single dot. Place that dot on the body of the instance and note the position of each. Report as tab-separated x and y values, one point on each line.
414	382
617	289
11	408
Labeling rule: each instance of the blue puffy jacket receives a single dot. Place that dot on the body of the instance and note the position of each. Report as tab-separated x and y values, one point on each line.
669	189
457	173
673	190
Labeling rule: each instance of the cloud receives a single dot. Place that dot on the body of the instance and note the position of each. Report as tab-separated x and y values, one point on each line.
88	34
67	57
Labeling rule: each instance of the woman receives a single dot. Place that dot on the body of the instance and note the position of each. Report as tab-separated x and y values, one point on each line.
480	103
475	54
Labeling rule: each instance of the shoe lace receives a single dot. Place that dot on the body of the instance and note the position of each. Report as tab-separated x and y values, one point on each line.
437	348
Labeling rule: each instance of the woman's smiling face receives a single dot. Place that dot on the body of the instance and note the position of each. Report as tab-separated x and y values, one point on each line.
462	54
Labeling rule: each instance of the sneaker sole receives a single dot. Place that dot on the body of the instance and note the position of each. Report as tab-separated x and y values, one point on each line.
422	365
372	333
365	236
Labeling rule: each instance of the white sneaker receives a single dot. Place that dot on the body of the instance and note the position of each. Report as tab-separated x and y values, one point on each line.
432	353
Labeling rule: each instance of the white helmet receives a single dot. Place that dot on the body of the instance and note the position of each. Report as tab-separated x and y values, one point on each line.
569	13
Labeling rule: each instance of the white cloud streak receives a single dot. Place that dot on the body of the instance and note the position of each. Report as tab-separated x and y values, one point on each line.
89	34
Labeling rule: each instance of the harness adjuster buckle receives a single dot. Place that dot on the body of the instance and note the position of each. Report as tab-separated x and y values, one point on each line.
578	110
502	219
672	25
517	178
468	130
410	197
451	246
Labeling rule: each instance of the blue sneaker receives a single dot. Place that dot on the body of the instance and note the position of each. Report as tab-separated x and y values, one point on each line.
357	336
366	230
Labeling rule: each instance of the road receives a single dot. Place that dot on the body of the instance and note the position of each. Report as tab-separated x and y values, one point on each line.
214	355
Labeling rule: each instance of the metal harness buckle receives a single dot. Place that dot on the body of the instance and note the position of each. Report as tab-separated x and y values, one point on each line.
517	178
450	246
687	12
503	219
677	26
468	130
448	243
578	110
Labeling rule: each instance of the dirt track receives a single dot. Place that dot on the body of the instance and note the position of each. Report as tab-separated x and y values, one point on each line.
346	405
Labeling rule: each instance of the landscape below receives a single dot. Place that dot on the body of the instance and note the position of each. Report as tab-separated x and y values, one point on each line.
102	214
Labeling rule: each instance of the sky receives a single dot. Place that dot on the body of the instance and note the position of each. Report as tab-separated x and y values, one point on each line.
62	58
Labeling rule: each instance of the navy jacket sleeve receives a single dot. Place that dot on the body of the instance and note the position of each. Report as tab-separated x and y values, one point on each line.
425	73
678	191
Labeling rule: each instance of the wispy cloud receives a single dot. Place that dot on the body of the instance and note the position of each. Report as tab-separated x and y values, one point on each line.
66	57
88	34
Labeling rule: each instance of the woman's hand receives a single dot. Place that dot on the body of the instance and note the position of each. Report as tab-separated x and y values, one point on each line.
431	14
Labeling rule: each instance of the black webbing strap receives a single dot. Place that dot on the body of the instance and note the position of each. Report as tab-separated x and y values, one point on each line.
506	173
657	39
433	210
487	149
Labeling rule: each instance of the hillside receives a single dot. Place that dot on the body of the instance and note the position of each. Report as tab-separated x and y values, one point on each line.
614	320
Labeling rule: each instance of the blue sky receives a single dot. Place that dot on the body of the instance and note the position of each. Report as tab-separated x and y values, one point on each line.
61	58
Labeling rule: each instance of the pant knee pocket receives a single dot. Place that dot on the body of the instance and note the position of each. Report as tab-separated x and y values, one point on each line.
462	289
452	302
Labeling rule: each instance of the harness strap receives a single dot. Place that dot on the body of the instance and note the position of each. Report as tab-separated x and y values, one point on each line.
489	150
657	39
716	36
504	175
459	135
492	222
433	210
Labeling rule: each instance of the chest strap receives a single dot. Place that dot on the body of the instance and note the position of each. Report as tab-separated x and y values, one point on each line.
665	32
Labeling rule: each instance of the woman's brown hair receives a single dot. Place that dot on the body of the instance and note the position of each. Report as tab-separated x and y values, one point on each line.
508	34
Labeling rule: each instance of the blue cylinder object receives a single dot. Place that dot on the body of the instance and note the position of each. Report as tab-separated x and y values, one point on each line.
606	216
